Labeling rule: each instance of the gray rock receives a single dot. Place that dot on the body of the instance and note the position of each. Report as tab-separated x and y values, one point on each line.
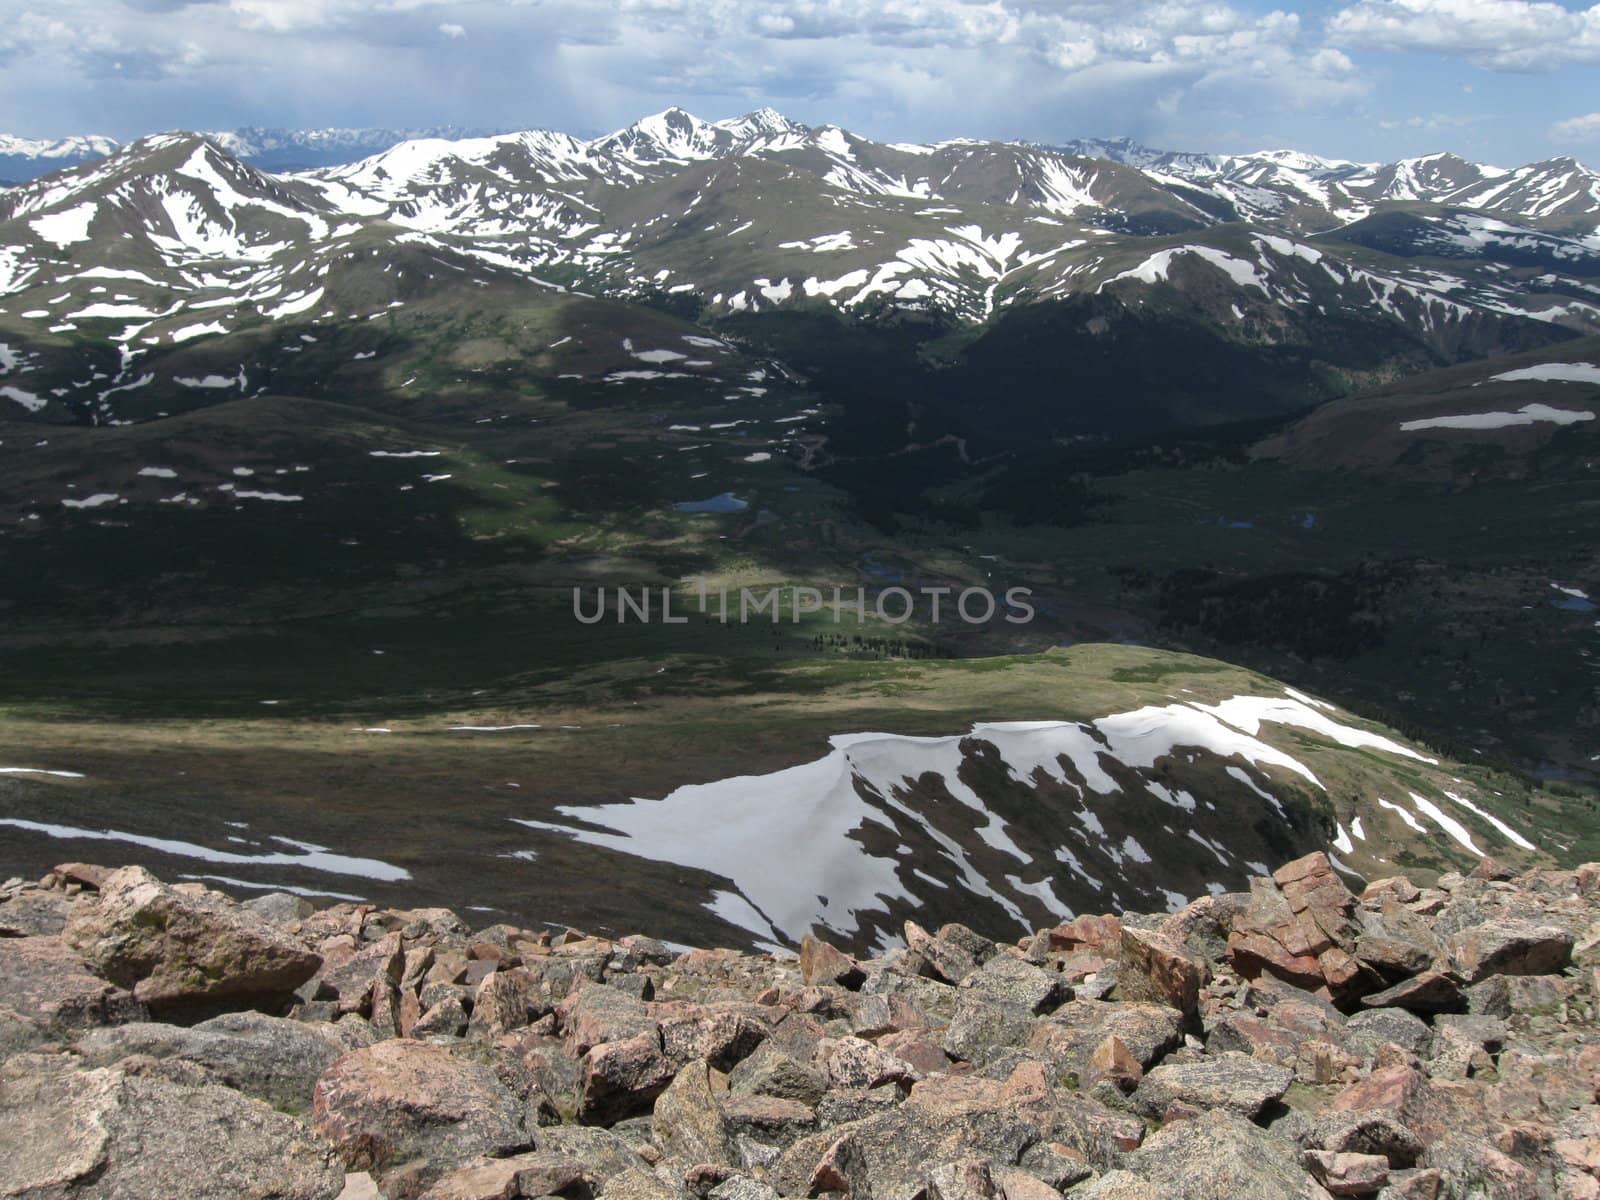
1011	980
688	1123
1231	1082
1219	1156
106	1133
1509	946
1118	1185
983	1027
49	994
281	908
1366	1032
742	1187
272	1059
638	1184
1365	1133
35	913
603	1154
770	1072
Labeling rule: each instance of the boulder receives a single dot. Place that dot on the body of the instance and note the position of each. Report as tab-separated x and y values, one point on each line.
1429	992
1509	946
622	1079
522	1175
1012	980
412	1111
771	1072
175	947
1300	926
1155	968
821	963
109	1133
1348	1174
35	913
1230	1083
593	1014
688	1123
52	994
855	1063
724	1033
1219	1156
503	1004
272	1059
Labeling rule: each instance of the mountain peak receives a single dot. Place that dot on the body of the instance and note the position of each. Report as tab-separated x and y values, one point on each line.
761	121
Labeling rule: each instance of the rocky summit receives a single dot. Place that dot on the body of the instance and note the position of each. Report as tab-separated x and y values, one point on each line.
1424	1039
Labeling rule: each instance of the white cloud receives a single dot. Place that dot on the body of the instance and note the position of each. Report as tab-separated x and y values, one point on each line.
451	30
1506	35
1577	129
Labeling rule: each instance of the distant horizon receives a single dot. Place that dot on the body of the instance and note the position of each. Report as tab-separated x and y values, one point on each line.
1360	80
462	132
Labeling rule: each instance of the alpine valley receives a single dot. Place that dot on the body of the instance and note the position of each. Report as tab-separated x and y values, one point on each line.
307	439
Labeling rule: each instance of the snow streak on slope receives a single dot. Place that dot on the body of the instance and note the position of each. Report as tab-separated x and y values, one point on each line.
1528	414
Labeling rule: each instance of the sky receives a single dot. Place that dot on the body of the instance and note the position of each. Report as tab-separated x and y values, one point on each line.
1502	81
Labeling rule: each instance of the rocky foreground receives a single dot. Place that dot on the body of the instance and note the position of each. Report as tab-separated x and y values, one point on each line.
165	1041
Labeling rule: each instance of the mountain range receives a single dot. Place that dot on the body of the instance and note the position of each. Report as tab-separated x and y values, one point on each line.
1361	269
270	149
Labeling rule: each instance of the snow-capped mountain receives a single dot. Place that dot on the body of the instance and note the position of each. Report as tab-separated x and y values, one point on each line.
174	238
24	158
271	149
306	149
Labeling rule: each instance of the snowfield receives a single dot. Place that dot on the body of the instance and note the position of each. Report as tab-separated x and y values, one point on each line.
794	842
1528	414
1574	372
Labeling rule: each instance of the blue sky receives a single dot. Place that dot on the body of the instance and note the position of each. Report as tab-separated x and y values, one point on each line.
1500	80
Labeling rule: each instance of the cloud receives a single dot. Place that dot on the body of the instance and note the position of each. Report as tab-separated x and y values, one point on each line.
1437	122
1577	129
1190	72
1014	66
1502	35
